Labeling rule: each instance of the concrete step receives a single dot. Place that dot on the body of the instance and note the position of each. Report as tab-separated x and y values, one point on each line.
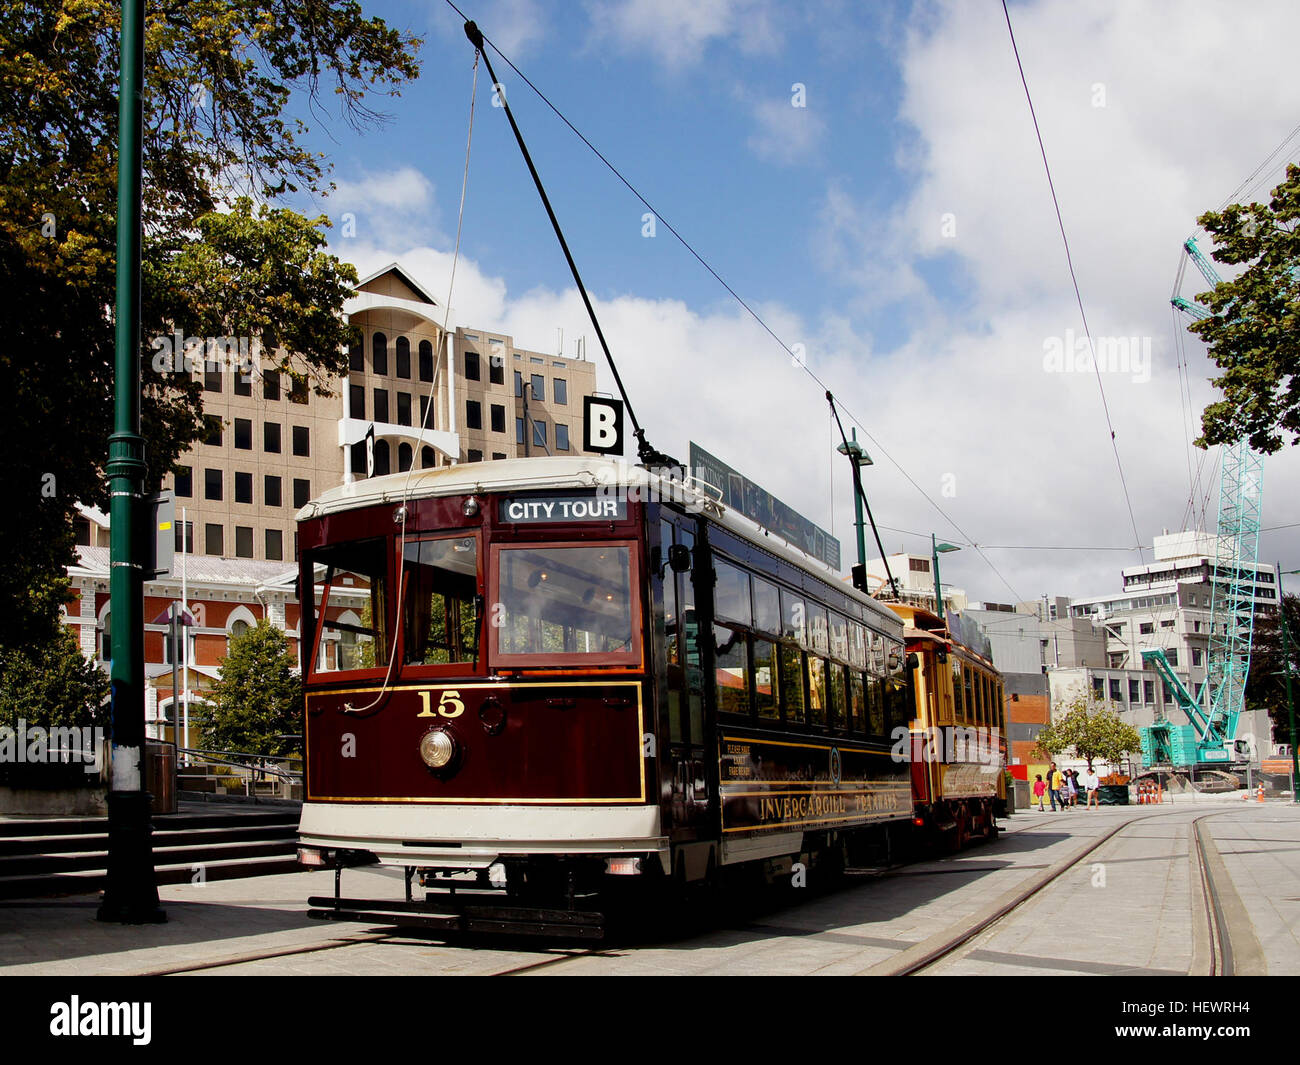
68	861
98	841
86	881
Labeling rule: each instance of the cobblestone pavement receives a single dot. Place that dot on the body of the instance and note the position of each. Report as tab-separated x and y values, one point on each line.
1126	909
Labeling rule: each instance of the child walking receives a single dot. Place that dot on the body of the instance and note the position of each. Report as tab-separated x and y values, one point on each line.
1039	789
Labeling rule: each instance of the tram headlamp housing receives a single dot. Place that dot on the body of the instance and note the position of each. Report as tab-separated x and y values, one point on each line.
470	507
437	749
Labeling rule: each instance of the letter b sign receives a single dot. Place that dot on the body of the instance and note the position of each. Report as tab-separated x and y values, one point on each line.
602	425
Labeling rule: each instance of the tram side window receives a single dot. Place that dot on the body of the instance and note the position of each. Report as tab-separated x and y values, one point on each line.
767	606
817	698
839	637
959	703
968	688
671	628
731	670
835	693
857	702
731	594
794	618
876	706
441	601
351	606
792	687
818	629
766	695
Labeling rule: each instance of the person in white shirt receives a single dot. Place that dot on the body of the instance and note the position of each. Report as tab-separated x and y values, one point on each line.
1091	782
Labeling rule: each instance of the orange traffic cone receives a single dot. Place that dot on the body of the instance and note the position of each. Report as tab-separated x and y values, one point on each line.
1259	795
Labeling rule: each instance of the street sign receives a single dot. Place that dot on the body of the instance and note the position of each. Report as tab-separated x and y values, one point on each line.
162	541
602	425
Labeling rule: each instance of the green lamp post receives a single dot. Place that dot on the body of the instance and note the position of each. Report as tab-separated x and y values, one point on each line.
858	455
936	550
1286	667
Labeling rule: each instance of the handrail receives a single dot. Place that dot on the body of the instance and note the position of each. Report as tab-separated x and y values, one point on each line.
247	758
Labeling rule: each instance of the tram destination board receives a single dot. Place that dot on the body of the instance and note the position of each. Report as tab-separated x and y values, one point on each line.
742	494
569	507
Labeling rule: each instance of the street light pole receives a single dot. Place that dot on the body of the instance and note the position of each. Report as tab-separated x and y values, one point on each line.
935	549
131	890
1290	701
859	458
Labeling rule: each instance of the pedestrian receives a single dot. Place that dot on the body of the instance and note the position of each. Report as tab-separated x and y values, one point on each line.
1039	788
1072	786
1056	787
1091	783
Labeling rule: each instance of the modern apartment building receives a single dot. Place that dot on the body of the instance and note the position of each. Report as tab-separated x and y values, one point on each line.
915	577
271	446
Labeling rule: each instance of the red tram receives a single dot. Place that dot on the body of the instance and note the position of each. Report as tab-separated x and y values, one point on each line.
567	675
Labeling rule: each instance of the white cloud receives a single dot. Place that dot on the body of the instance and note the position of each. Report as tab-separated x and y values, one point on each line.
391	205
676	33
786	134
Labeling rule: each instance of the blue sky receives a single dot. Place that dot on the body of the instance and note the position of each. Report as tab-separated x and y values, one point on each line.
898	227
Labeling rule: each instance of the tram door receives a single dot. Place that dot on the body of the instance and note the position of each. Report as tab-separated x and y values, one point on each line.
692	787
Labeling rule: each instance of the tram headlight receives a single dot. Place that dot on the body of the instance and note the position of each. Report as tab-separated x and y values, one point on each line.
437	749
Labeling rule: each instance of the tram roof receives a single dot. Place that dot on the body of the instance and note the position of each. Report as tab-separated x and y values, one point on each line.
543	473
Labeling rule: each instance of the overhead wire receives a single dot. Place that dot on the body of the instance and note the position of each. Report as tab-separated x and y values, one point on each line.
880	448
1119	465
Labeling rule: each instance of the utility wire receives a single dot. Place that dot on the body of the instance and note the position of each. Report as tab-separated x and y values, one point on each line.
1073	279
880	448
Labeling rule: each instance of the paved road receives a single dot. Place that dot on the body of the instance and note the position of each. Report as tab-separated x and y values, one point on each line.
1128	909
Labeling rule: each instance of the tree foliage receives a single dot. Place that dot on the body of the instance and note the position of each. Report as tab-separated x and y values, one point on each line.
1266	682
52	684
1089	728
219	76
257	701
1253	335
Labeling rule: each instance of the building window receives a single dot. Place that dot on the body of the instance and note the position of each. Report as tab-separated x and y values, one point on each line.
537	359
403	408
243	487
918	565
212	484
211	380
184	481
1167	624
213	540
297	390
1172	654
561	437
405	456
212	430
403	358
358	459
475	455
184	539
274	545
471	366
271	491
497	455
381	458
1099	686
519	430
1146	628
301	440
302	491
473	414
243	383
539	434
1133	691
379	353
381	404
357	401
519	385
496	369
1196	626
243	434
357	357
539	387
1148	692
426	361
1197	656
271	384
271	438
560	390
243	542
424	410
498	413
427	458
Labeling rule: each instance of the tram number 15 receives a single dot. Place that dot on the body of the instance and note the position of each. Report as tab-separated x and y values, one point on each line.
448	706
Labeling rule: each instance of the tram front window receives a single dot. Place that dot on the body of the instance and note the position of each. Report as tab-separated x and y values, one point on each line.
351	606
441	601
566	602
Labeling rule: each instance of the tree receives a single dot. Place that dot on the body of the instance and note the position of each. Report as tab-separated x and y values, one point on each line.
219	76
1253	335
52	684
1090	729
1266	682
257	701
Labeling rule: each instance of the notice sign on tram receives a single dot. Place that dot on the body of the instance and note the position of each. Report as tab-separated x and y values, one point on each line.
537	510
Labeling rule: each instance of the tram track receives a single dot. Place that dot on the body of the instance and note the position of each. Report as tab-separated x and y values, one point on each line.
1213	930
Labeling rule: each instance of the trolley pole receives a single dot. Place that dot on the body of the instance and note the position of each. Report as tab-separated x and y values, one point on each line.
131	892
